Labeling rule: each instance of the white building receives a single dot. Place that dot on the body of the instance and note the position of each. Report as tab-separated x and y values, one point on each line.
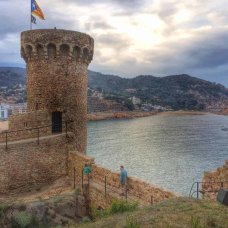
4	111
135	100
19	108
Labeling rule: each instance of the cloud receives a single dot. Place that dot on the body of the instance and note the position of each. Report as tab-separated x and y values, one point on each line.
132	36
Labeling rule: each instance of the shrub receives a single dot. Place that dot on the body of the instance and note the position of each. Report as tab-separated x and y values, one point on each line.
22	220
86	219
120	206
2	211
132	222
117	206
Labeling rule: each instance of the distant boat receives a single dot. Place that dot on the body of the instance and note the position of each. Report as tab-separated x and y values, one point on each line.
225	129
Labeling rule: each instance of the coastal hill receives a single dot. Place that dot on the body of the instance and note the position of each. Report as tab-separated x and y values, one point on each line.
11	76
175	92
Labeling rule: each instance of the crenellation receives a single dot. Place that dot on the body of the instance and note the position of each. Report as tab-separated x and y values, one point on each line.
55	44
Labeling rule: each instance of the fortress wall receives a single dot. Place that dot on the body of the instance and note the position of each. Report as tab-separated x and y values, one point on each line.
24	126
218	176
138	190
29	120
26	166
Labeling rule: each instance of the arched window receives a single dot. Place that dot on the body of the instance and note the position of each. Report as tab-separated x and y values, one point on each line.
29	51
85	53
39	50
51	50
76	52
64	50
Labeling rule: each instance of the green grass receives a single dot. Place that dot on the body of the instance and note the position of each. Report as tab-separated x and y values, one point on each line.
117	206
174	213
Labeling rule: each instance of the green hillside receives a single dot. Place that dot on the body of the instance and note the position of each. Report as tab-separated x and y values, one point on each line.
176	91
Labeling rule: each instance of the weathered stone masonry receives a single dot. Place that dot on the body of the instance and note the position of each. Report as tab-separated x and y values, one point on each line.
27	166
213	181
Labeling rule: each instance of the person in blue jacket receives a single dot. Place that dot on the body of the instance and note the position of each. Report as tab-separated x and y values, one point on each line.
123	178
87	171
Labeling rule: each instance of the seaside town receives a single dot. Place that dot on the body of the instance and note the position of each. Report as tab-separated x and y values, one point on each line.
13	101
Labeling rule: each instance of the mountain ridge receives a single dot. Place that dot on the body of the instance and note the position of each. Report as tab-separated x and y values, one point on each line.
175	91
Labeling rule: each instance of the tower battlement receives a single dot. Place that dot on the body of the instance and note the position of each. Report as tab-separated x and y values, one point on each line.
54	44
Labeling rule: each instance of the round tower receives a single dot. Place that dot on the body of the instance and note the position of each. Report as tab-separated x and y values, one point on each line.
57	62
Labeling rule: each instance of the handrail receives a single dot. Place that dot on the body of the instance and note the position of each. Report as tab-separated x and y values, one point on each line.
123	192
6	133
34	128
204	182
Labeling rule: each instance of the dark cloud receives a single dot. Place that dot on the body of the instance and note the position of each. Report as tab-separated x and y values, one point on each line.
115	41
207	50
203	54
167	10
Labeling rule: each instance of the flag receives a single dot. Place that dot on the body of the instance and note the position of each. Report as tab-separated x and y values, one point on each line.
33	20
36	10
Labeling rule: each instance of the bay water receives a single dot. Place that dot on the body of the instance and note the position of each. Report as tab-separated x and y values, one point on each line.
171	151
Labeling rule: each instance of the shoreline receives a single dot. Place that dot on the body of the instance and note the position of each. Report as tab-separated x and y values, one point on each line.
117	115
129	115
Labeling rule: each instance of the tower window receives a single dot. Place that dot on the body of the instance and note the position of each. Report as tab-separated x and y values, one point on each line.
51	51
64	50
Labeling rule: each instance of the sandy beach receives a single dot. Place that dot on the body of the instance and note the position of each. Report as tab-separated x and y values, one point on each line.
180	113
126	115
3	125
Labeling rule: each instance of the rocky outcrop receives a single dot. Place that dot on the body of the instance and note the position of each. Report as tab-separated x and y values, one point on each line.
213	181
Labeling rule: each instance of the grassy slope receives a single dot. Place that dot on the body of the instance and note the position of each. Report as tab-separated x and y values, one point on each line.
181	212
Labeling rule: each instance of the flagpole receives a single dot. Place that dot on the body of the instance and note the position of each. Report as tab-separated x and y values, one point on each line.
30	14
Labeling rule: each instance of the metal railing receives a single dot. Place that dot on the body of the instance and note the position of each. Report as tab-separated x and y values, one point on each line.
199	191
123	192
37	133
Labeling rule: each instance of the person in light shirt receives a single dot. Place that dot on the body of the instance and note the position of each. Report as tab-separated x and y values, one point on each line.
123	178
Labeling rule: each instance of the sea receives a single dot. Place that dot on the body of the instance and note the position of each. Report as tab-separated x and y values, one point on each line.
171	151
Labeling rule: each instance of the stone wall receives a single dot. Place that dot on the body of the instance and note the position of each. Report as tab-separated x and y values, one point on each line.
24	126
138	190
29	120
27	166
214	181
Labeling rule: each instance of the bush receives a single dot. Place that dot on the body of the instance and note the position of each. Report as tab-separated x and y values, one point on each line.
22	220
120	206
2	211
86	219
132	222
117	206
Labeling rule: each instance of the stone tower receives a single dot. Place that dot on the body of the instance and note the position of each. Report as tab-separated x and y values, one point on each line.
57	62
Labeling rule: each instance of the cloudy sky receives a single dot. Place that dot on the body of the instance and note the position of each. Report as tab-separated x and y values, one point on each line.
132	37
